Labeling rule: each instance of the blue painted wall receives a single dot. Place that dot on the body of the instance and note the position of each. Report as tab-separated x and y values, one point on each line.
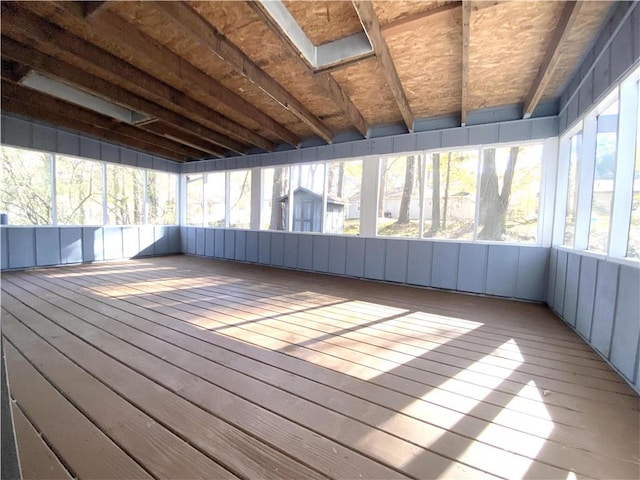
501	270
28	247
600	300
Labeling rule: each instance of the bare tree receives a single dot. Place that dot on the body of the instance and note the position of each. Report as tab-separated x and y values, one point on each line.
493	202
277	207
435	197
405	204
383	186
446	193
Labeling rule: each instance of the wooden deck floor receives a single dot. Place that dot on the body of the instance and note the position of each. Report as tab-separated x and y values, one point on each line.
181	367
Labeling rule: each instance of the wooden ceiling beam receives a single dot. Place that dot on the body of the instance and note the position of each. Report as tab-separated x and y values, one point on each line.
112	28
466	27
552	57
369	21
416	20
28	28
39	106
110	92
84	115
172	133
193	25
93	8
322	76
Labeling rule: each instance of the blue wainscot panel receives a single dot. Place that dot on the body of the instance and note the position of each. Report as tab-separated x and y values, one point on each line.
47	246
112	243
374	258
22	247
355	257
472	268
241	245
71	245
337	255
305	252
291	250
277	249
251	247
444	271
502	270
92	244
395	268
419	263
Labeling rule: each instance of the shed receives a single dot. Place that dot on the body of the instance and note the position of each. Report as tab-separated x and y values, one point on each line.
307	211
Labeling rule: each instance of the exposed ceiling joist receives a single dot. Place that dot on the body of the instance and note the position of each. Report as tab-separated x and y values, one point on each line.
466	27
79	78
552	56
411	22
194	25
111	27
72	49
25	101
177	135
93	8
369	21
324	79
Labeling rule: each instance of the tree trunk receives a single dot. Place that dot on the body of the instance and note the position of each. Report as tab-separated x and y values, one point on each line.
277	208
405	204
435	196
383	186
446	193
493	203
340	180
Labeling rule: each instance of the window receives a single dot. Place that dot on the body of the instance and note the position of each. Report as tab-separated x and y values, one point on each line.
399	196
78	191
125	191
240	199
450	195
603	179
275	185
344	182
195	199
214	190
572	189
26	186
510	194
308	190
161	198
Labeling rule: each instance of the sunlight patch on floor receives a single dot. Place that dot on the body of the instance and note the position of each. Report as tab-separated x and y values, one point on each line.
527	447
92	272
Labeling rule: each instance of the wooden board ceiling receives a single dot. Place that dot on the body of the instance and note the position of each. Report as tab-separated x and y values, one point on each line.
216	78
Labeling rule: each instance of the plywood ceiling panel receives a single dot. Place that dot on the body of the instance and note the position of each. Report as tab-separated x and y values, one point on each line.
507	45
431	71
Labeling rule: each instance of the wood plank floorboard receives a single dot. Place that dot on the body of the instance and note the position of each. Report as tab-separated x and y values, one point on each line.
182	367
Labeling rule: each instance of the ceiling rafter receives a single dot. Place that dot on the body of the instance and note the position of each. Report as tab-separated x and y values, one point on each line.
97	86
369	21
466	33
172	133
23	100
323	78
111	27
93	8
554	51
207	35
72	49
411	22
